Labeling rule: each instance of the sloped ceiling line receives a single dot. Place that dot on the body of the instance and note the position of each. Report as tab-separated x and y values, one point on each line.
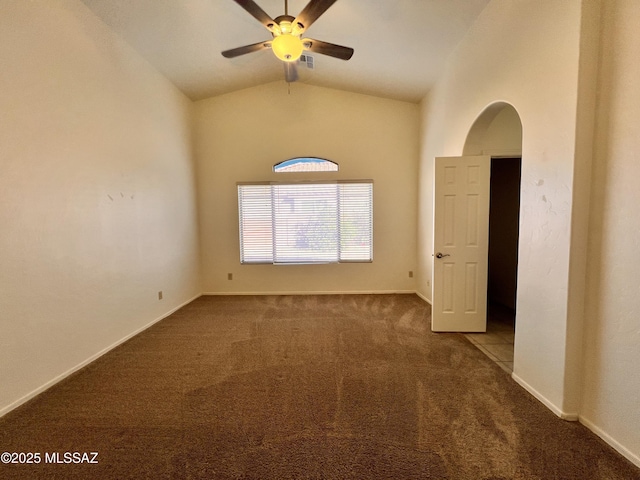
400	45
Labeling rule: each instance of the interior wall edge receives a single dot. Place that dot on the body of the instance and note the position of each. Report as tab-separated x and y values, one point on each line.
569	416
22	400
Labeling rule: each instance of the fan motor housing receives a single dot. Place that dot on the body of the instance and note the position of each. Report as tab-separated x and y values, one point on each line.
287	18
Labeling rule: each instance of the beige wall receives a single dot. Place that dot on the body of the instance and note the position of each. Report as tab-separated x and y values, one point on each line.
97	198
510	55
542	58
240	136
611	404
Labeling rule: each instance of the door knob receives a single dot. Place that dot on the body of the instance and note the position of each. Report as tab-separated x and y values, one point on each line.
441	255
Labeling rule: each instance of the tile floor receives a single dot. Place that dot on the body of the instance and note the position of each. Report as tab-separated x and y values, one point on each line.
497	342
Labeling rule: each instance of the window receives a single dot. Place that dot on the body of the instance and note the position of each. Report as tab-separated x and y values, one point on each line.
314	222
306	164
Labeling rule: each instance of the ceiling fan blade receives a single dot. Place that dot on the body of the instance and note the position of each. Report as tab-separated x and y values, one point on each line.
312	11
256	12
236	52
325	48
290	71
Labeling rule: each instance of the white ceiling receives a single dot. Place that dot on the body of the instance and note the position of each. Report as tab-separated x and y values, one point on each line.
400	45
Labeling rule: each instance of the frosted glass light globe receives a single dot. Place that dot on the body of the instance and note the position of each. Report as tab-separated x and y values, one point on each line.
287	47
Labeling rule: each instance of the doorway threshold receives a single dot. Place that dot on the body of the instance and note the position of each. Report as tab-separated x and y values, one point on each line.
497	342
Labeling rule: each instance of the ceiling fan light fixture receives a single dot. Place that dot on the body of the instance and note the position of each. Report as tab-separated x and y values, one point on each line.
286	35
287	47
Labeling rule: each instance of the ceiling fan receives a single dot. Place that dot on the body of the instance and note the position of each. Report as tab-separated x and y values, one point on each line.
287	43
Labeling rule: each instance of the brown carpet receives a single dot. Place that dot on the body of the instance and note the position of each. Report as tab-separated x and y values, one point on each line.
301	387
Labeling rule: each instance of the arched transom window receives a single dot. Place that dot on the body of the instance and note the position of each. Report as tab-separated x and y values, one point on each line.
306	164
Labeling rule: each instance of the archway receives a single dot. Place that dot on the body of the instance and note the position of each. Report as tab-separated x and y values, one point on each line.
497	132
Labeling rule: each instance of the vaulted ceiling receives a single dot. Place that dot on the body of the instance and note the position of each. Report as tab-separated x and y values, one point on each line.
401	46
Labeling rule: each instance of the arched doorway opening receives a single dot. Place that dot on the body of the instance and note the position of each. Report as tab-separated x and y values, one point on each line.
497	132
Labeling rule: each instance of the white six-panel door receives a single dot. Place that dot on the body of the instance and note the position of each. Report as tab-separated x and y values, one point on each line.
461	244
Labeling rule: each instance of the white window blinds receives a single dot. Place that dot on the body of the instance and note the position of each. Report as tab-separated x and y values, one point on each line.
320	222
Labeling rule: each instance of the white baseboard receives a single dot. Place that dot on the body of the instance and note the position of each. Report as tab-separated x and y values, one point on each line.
424	298
635	459
622	450
321	292
571	417
62	376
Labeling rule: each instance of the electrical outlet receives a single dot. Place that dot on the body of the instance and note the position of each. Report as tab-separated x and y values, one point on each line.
410	274
428	283
160	295
229	276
